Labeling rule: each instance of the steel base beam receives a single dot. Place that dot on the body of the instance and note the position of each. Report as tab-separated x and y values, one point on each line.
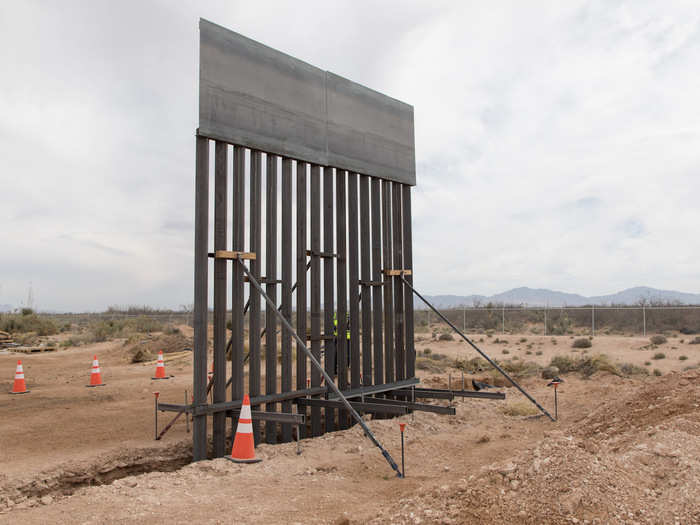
358	406
422	407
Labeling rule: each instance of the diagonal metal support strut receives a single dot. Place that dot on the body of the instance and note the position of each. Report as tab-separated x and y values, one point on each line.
329	381
491	361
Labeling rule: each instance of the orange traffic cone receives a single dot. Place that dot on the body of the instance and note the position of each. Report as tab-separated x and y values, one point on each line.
243	450
160	367
20	387
95	375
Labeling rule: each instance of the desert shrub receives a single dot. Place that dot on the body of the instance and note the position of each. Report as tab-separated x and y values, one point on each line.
550	372
657	339
519	408
529	352
446	337
431	365
481	339
518	368
657	372
30	322
554	340
647	363
99	331
659	355
683	358
438	357
483	439
505	351
563	363
587	365
476	364
581	342
523	339
539	352
630	369
695	341
427	351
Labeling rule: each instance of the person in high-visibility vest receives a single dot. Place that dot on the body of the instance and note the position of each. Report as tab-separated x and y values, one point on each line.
335	339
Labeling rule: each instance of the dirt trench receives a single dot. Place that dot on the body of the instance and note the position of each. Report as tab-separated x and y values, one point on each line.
65	480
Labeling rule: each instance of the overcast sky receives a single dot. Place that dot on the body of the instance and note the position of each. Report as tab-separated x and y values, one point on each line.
557	143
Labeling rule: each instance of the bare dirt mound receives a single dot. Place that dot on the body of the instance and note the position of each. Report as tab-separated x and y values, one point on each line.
633	459
148	346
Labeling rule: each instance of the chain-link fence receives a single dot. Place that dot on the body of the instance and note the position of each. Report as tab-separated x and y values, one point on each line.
593	320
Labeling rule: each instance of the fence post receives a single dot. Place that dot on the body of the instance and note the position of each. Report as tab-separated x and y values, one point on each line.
545	320
464	320
644	319
593	320
503	319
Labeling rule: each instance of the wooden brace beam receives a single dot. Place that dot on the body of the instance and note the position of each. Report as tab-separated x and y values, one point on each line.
394	273
227	254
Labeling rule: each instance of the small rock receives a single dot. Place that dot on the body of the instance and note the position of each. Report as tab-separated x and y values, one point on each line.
46	500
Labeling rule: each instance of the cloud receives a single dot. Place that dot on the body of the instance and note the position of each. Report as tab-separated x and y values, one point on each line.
557	143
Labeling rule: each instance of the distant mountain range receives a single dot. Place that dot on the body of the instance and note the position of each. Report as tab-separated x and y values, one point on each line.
543	297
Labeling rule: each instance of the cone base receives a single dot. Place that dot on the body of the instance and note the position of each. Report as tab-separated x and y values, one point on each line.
155	378
91	386
25	392
234	460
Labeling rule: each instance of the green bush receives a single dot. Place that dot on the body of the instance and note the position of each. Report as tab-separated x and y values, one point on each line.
657	372
683	358
582	342
539	352
505	351
659	355
427	351
446	337
657	339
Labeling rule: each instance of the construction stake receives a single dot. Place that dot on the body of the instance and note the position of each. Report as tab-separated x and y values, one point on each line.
155	396
491	361
328	378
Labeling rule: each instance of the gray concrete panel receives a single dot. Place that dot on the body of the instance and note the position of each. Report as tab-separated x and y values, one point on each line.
254	96
368	132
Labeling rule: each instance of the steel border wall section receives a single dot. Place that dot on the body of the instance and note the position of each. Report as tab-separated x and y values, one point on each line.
344	221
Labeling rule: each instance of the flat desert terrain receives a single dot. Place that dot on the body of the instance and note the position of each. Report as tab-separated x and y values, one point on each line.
625	449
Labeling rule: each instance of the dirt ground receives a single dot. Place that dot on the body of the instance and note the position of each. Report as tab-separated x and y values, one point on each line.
625	450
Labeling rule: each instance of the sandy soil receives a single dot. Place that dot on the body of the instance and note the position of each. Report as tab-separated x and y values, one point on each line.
624	451
621	349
